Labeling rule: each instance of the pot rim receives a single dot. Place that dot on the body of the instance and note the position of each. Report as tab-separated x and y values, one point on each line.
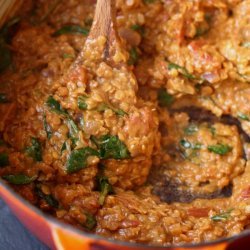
93	236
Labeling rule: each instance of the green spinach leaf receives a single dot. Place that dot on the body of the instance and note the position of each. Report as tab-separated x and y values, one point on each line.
6	58
19	179
222	216
72	29
102	107
191	129
55	106
243	117
111	147
220	149
65	56
164	98
73	129
133	56
138	28
200	31
35	149
47	128
104	187
90	222
246	44
81	102
213	131
149	1
185	143
48	198
64	147
78	159
182	71
3	97
189	150
4	160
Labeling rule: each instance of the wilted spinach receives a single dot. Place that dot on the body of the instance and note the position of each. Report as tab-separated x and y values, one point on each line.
4	160
111	147
72	29
48	198
35	149
78	159
104	187
19	179
220	149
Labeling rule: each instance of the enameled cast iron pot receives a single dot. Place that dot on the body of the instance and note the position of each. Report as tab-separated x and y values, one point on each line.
58	235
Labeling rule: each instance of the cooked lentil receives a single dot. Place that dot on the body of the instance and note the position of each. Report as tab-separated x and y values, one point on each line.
83	140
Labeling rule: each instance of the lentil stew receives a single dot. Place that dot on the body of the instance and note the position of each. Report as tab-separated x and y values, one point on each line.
155	151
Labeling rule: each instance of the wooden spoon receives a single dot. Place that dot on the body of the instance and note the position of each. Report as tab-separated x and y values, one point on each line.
104	25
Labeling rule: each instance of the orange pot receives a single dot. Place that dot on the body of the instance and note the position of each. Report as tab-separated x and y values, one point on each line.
58	235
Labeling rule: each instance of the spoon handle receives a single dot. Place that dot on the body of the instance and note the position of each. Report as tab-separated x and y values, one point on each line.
104	20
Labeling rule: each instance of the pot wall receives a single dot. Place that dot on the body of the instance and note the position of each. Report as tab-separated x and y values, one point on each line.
59	236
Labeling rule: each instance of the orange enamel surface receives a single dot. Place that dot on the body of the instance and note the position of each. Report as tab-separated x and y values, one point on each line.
221	246
33	221
67	241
